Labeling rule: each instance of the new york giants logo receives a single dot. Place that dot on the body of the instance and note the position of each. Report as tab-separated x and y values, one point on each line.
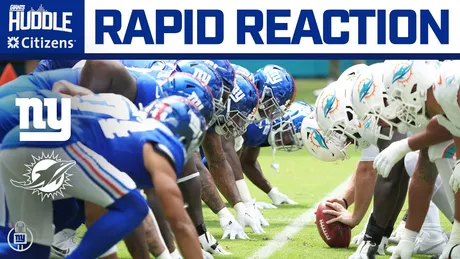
274	77
201	75
195	100
63	125
237	94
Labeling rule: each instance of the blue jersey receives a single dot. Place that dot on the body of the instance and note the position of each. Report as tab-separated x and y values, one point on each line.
40	81
114	128
148	89
51	64
257	134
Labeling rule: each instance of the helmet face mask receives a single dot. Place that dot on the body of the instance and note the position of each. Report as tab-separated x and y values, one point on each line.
284	137
240	109
269	107
407	83
277	91
314	141
285	134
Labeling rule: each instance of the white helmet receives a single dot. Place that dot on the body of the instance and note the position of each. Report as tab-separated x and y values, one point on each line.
335	115
407	82
369	100
315	142
351	72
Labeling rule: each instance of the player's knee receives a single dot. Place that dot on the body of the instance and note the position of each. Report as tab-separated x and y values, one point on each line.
134	204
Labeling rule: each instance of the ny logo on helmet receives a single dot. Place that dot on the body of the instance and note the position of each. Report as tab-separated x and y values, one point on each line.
193	97
237	94
274	77
201	75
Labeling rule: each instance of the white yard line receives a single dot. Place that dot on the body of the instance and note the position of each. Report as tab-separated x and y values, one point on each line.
280	239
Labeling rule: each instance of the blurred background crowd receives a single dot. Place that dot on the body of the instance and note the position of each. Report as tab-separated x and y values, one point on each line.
326	69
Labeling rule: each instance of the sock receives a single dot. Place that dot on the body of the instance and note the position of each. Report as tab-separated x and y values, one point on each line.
36	251
388	231
374	233
432	221
125	213
64	211
243	190
176	255
455	234
441	199
79	218
201	229
164	255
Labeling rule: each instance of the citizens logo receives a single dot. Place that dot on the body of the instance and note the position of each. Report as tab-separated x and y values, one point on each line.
22	20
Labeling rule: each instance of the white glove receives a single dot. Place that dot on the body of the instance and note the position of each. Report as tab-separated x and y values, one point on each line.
232	228
455	178
358	238
263	205
279	198
451	251
406	245
385	161
247	218
251	206
206	255
210	245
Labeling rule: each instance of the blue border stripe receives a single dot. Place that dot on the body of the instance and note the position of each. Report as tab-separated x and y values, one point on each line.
319	56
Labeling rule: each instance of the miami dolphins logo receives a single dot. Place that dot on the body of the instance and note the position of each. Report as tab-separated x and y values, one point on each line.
450	80
402	71
449	152
47	176
316	138
330	104
366	88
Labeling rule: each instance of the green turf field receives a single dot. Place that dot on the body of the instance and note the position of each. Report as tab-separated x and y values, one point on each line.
305	180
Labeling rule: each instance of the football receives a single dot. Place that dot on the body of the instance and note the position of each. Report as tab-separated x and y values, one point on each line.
336	234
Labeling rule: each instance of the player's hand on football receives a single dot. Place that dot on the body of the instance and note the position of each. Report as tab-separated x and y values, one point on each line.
249	218
338	200
385	161
455	178
263	205
280	198
341	214
403	250
232	228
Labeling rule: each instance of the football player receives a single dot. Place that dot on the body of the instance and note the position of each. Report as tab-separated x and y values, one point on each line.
347	129
420	93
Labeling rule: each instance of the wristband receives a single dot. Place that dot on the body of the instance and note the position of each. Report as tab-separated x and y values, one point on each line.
346	203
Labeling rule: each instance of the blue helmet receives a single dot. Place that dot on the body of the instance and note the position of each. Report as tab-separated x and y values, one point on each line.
285	133
241	109
226	71
194	90
243	71
182	118
208	76
276	91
